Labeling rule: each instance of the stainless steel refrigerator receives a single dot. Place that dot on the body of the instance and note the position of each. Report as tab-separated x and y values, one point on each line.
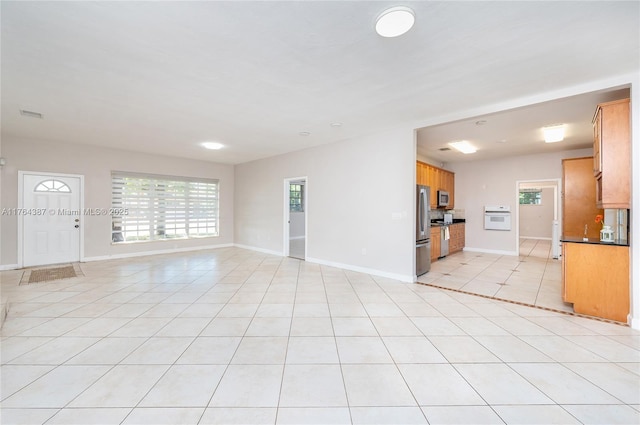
423	230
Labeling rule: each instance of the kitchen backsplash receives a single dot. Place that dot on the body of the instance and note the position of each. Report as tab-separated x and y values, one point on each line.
439	214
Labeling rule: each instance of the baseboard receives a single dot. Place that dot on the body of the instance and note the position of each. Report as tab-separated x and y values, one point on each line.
634	322
296	237
535	238
490	251
395	276
155	252
8	267
263	250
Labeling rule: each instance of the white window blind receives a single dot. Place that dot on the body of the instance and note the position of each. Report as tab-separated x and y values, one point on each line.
162	207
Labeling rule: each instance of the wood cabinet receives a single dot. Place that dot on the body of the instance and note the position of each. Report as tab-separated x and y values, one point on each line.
579	198
435	243
612	154
437	179
595	278
456	241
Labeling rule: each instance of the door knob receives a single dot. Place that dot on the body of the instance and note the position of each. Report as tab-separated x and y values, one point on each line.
76	226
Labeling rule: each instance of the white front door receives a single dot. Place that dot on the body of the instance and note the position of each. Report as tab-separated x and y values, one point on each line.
50	219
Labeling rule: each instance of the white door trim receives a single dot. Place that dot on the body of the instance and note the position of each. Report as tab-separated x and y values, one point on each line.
21	175
286	215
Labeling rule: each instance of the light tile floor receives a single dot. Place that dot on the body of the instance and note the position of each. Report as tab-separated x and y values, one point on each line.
533	278
231	336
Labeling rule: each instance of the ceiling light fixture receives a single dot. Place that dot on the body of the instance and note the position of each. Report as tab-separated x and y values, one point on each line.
463	146
336	124
304	133
481	122
395	21
554	133
212	145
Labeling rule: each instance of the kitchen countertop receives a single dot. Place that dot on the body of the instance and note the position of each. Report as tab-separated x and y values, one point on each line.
439	223
592	241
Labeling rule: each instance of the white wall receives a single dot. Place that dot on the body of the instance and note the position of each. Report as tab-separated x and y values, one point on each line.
360	196
493	182
535	220
96	164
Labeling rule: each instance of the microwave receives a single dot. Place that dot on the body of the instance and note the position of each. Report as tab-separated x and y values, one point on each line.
443	198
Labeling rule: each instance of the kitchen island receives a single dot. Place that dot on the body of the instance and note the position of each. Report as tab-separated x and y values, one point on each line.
595	277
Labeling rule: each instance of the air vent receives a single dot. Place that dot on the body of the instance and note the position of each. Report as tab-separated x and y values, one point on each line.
31	114
444	149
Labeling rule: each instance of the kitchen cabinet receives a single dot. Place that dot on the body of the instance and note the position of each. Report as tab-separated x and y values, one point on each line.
595	278
437	179
435	242
456	241
612	154
579	198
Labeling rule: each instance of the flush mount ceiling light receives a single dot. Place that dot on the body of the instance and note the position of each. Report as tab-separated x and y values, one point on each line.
463	146
304	133
212	145
554	133
395	21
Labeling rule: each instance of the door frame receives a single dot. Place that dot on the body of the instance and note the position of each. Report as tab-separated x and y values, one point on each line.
286	215
557	210
21	175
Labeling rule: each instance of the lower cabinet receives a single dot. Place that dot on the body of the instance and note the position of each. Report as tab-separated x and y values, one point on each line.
456	241
595	278
435	242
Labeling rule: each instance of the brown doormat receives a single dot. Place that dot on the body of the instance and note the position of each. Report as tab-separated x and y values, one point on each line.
51	273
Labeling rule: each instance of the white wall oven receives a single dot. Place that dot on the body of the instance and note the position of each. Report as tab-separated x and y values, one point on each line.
497	217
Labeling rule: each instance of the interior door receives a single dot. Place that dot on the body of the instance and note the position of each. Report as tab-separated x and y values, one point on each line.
297	219
50	219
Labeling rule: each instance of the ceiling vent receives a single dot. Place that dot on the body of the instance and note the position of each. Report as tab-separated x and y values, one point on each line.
444	149
31	114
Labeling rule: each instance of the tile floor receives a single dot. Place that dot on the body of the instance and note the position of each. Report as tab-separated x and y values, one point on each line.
532	278
231	336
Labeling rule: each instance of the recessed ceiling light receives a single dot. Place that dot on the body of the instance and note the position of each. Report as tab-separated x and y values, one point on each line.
554	133
395	21
336	124
31	114
304	133
212	145
481	122
463	146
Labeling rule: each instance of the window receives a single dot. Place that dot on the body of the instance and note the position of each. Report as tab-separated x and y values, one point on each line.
296	197
530	197
148	208
52	186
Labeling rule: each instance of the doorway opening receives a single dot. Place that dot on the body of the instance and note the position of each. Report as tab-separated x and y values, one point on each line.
538	214
295	217
51	230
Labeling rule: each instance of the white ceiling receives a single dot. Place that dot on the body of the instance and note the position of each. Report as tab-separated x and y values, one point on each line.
163	76
517	131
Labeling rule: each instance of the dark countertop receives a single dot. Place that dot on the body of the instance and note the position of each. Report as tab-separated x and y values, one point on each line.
439	223
592	241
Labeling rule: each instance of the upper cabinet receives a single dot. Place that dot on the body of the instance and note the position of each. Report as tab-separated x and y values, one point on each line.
612	154
579	199
437	179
